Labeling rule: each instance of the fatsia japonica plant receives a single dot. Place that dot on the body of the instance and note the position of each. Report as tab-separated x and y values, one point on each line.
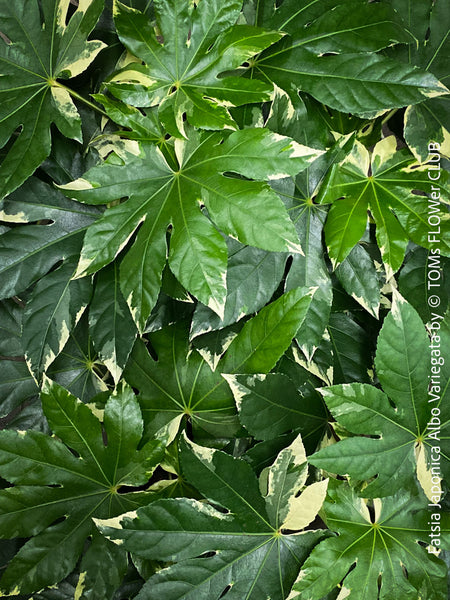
224	284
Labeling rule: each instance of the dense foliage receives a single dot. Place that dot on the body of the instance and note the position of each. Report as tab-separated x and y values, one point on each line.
224	335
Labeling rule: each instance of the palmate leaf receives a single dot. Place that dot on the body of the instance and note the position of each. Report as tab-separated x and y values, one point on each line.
331	54
179	384
40	52
383	183
250	552
183	55
51	483
401	435
77	367
182	383
388	561
159	196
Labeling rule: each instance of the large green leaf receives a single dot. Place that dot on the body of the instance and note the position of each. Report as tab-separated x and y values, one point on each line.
181	73
384	183
330	54
375	556
50	229
249	554
37	49
51	483
159	196
400	435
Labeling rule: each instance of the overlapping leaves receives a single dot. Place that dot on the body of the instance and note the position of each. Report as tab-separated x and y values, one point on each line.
159	196
34	53
208	212
184	54
401	436
383	550
180	383
73	478
331	54
250	550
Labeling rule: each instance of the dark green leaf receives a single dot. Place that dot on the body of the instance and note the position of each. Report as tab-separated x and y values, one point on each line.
42	48
249	556
52	483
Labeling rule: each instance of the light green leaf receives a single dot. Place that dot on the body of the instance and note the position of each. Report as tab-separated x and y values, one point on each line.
159	196
263	340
